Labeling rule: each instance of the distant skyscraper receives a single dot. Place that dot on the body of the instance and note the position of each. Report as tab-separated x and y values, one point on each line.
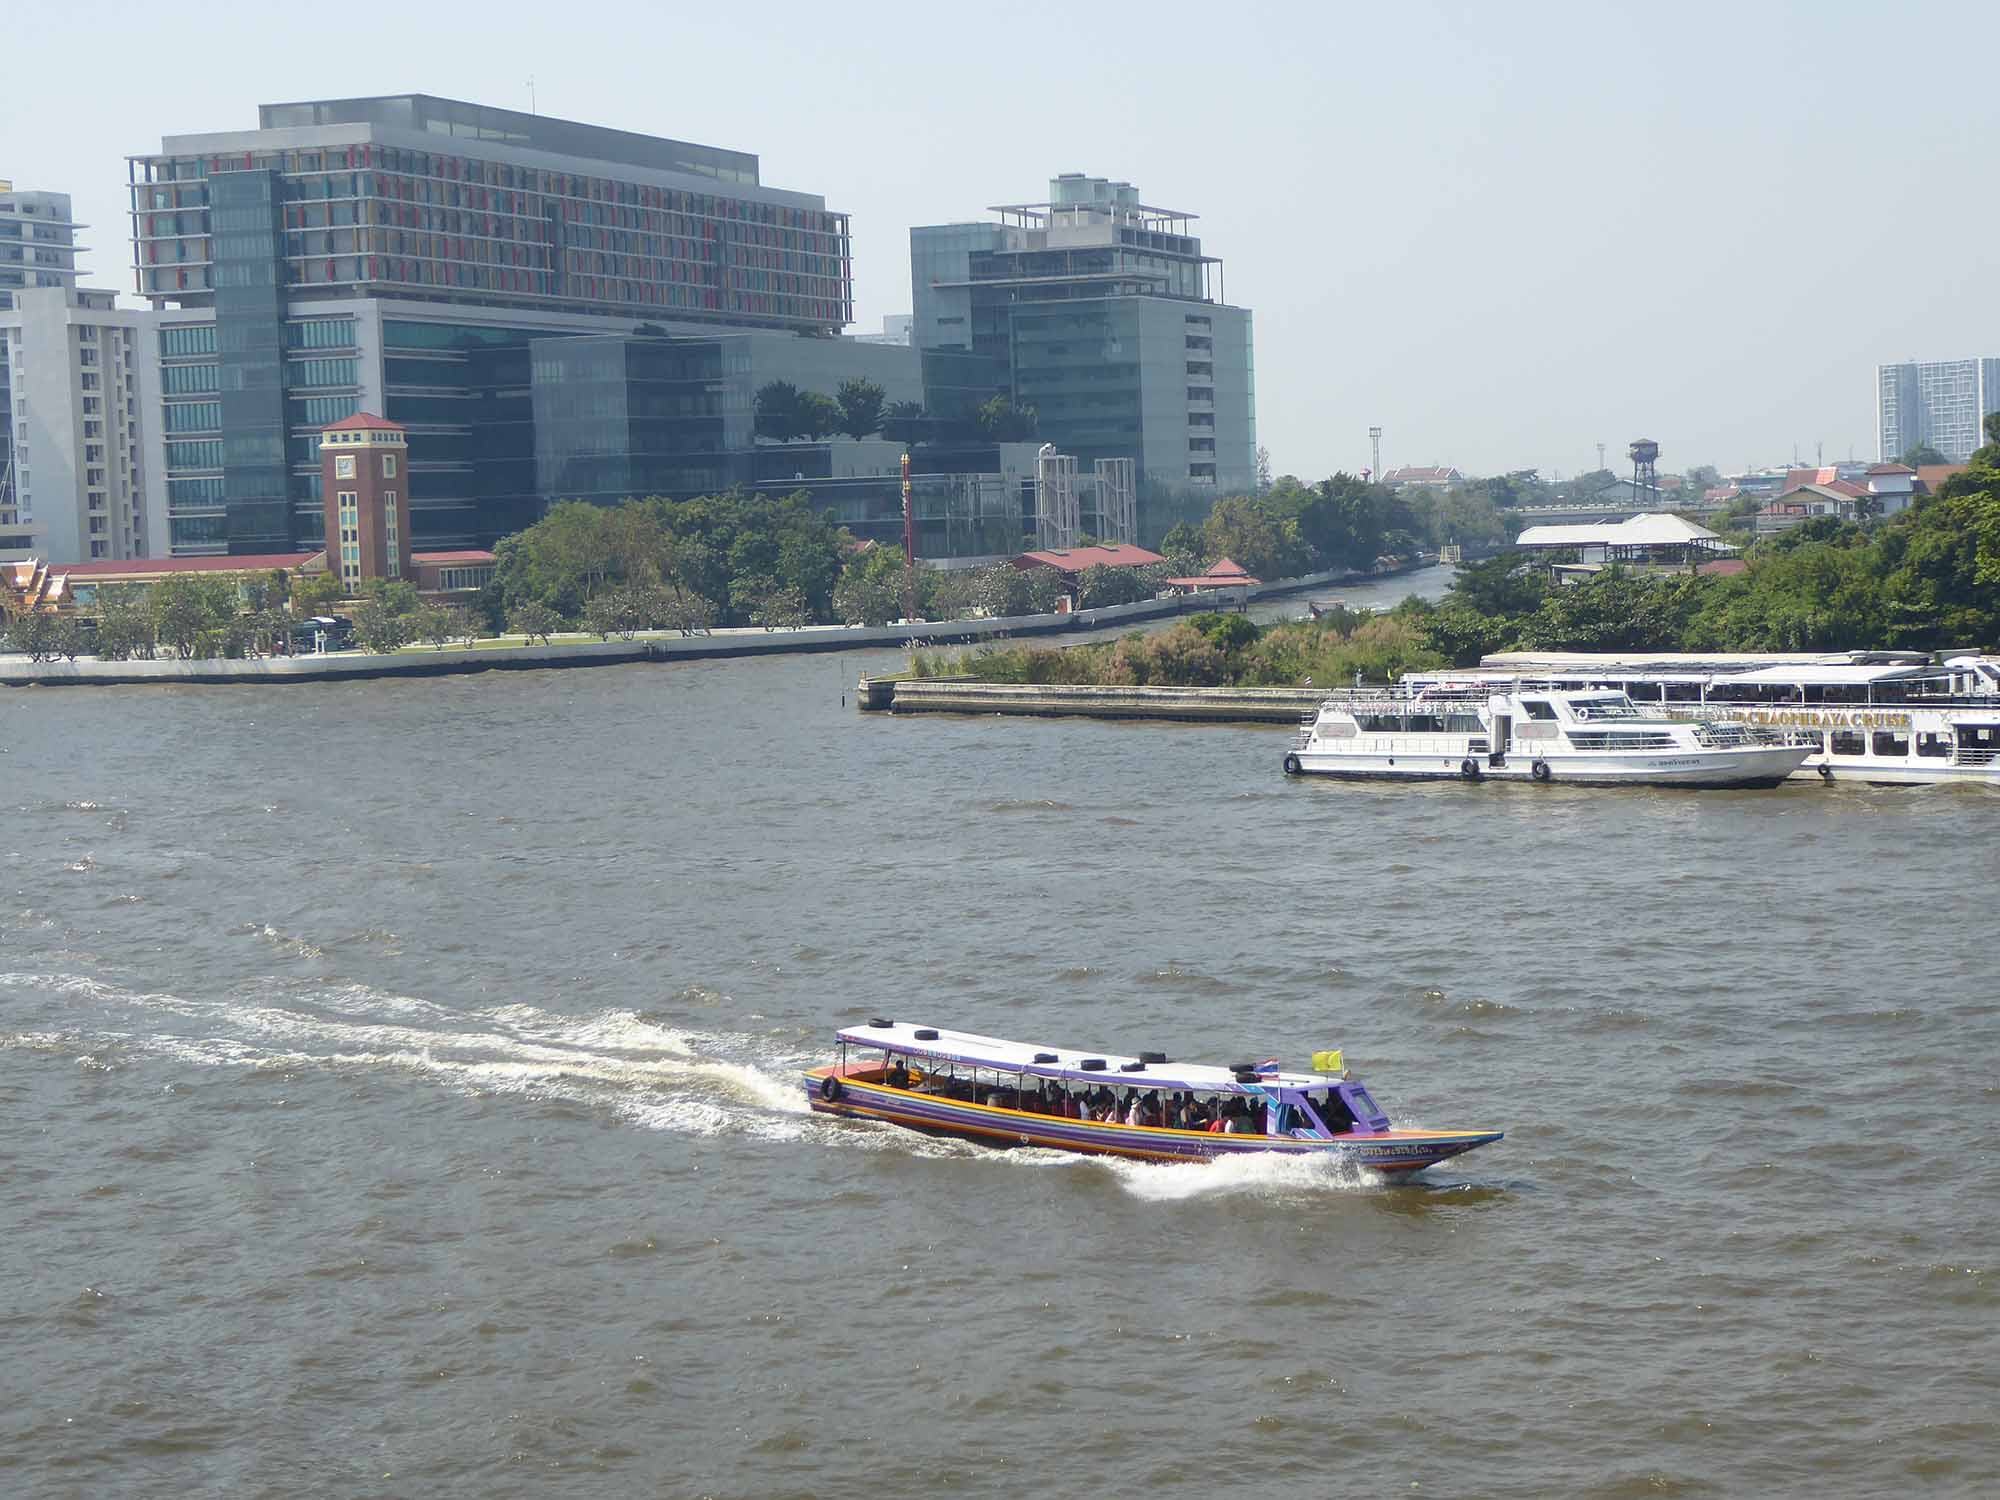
1940	402
37	241
1103	314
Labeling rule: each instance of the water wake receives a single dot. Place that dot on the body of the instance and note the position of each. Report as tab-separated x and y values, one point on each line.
653	1075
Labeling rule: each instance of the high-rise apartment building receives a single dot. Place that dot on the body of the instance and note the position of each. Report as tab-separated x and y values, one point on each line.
37	241
1104	315
1940	402
399	255
77	380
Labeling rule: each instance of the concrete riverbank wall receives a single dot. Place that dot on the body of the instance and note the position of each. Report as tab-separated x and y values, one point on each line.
18	671
1211	705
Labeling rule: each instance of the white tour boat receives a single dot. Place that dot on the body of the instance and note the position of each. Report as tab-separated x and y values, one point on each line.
1885	717
1501	731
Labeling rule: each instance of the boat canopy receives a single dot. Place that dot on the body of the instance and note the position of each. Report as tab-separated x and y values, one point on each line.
973	1050
1826	676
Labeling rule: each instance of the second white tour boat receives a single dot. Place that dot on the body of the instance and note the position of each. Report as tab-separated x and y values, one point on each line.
1480	731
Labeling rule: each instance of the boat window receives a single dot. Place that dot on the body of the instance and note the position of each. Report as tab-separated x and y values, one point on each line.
1938	746
1538	708
1848	742
1892	742
1365	1108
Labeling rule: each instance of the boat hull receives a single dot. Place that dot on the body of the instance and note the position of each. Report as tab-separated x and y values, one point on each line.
855	1098
1720	770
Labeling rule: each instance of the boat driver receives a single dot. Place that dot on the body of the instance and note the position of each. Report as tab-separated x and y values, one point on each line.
898	1075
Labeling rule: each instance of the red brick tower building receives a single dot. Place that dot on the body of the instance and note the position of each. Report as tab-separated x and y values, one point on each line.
364	478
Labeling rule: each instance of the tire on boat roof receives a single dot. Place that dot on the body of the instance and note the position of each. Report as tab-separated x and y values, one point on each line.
926	1033
1132	1067
879	1024
1152	1057
1243	1067
1092	1065
1041	1057
1248	1077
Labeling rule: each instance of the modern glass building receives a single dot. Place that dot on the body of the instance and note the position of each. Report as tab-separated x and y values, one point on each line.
1105	316
400	255
1940	402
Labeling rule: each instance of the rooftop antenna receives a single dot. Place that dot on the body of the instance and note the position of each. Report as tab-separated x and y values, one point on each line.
531	94
1600	455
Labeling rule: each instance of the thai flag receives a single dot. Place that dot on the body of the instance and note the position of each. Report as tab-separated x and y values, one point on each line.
1267	1067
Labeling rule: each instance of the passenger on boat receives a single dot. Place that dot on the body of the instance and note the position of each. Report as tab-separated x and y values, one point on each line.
898	1076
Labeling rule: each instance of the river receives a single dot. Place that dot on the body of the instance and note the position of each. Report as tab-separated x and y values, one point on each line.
400	1099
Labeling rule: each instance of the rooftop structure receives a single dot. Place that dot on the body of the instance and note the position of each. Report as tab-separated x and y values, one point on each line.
1649	539
412	195
1103	314
1443	475
1074	560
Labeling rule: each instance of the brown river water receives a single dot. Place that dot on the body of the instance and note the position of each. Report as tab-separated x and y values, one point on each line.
400	1099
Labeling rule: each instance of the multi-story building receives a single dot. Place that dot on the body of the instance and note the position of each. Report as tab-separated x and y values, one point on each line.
1104	315
37	241
400	255
77	381
1940	402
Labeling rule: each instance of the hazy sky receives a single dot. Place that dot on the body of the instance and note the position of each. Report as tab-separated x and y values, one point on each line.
1504	233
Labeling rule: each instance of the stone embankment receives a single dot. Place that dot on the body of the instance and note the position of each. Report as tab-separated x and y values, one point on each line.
1213	705
18	671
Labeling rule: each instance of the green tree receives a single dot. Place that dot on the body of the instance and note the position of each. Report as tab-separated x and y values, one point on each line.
819	416
534	620
685	611
1001	421
124	624
380	626
190	612
315	594
1247	531
780	413
860	402
437	624
33	634
871	588
1101	585
906	422
1917	455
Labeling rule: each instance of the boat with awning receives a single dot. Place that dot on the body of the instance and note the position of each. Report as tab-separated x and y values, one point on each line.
1146	1107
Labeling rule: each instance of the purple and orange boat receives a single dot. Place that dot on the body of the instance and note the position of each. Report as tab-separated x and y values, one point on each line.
1002	1093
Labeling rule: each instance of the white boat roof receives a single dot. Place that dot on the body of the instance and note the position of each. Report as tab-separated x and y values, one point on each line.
1695	661
978	1051
1828	676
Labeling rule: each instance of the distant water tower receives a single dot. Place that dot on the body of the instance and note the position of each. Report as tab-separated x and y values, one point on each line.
1645	470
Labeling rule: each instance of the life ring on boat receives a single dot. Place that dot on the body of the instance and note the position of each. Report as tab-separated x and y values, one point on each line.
1291	765
1539	770
1583	716
830	1089
1469	769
